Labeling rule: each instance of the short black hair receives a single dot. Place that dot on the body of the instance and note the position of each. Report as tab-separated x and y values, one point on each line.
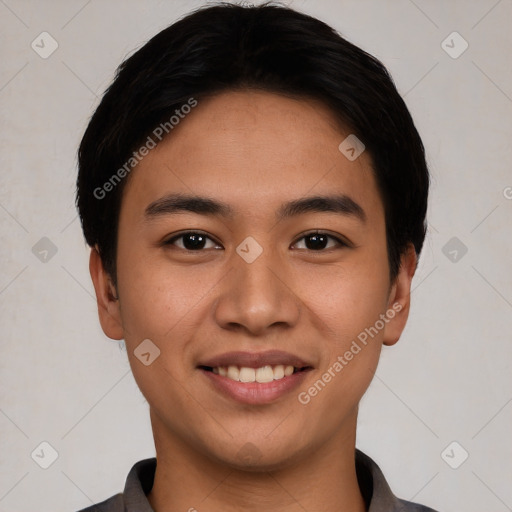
227	47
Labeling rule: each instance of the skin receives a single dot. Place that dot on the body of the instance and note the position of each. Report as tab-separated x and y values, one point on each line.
254	151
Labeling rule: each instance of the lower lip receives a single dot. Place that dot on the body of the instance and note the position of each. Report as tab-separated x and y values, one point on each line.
255	393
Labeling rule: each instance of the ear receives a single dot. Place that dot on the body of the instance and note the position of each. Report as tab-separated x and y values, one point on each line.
106	297
400	297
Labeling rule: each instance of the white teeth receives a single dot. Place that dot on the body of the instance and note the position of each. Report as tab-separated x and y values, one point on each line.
247	374
233	372
278	372
264	374
288	370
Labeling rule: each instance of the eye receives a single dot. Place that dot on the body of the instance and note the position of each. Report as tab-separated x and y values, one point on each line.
318	241
192	241
197	240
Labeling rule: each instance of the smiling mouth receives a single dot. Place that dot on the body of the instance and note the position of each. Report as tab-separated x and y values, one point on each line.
263	374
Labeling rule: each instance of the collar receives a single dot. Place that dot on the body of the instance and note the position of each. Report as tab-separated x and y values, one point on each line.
374	488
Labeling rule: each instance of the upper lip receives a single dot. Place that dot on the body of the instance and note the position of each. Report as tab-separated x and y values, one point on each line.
255	359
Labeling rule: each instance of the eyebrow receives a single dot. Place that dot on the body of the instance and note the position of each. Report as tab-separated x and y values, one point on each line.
177	203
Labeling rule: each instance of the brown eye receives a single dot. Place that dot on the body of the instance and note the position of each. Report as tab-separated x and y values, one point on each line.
192	241
319	241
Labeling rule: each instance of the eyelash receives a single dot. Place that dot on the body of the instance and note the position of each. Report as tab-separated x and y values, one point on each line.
340	242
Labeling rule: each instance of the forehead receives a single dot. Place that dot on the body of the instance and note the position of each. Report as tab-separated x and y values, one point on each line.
253	149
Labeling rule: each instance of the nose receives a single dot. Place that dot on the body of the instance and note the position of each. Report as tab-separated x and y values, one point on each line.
258	296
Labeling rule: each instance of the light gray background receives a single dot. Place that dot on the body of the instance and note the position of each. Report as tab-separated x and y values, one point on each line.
448	379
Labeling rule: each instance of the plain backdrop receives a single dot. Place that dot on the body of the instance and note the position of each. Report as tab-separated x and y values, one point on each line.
447	381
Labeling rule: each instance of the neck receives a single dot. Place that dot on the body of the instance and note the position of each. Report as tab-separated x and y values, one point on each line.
186	480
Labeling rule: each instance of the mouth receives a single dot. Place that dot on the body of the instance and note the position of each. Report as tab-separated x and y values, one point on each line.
255	378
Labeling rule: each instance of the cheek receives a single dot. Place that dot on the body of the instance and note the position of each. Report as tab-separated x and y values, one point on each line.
347	297
160	301
350	307
161	306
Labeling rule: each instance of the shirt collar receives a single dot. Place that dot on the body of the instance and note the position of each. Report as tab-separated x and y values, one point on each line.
376	491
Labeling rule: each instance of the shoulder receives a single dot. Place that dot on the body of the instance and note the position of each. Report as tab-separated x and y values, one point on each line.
408	506
375	489
134	496
113	504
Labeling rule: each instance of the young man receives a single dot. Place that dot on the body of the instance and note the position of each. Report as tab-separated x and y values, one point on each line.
254	192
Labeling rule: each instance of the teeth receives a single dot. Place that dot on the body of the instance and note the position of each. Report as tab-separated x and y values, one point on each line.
247	375
233	372
264	374
278	372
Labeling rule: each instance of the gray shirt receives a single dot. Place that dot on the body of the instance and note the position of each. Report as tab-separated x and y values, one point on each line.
373	485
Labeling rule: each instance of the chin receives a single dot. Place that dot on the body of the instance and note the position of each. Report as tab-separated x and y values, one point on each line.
254	456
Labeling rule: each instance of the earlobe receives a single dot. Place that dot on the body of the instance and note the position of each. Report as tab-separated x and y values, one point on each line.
400	297
106	298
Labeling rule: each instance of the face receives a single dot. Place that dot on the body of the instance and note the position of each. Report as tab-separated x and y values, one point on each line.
252	278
